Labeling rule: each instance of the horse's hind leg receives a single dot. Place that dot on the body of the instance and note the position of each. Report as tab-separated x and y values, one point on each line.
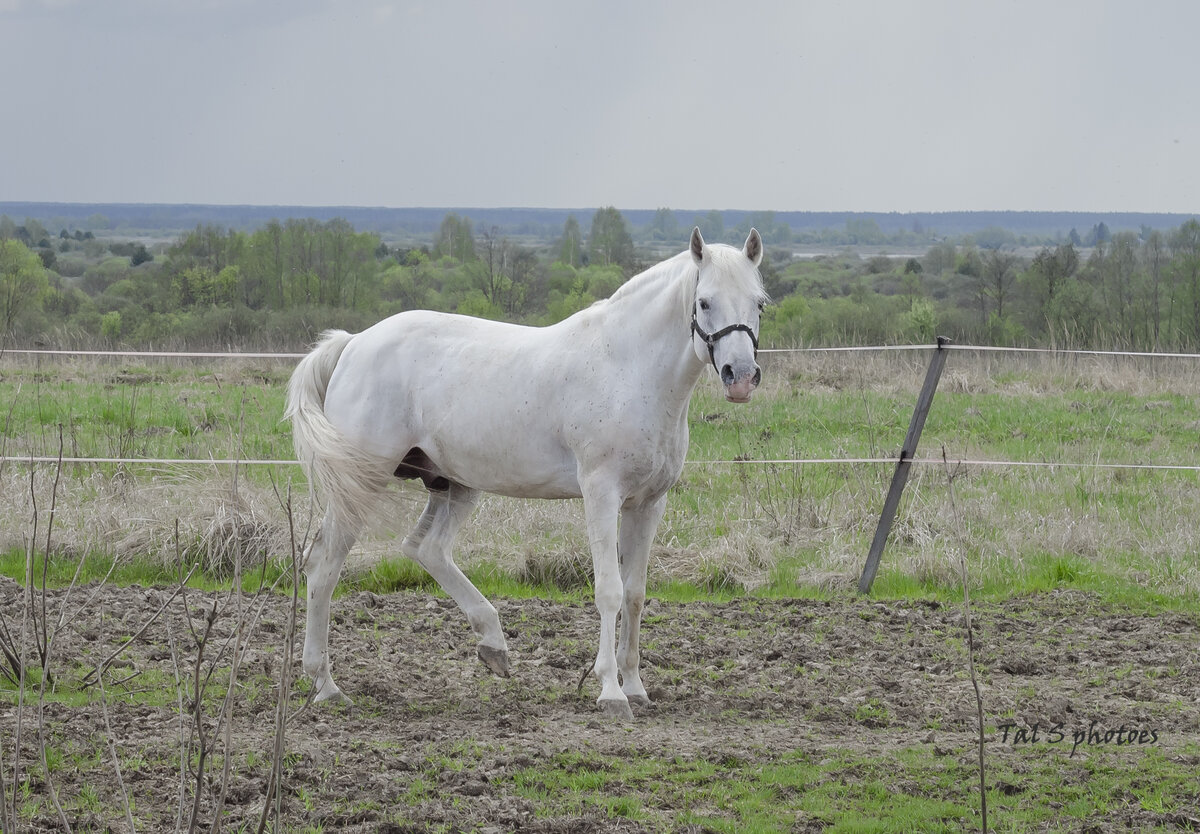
637	532
429	545
322	567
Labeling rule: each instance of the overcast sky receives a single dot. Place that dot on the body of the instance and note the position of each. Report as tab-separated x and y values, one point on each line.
801	105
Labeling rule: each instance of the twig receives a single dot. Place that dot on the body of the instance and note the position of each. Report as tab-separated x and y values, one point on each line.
183	747
23	649
7	823
962	564
99	670
63	619
8	647
285	686
299	554
238	647
227	720
197	710
46	558
45	648
112	749
7	425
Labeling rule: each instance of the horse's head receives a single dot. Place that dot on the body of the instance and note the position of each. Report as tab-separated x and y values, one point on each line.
729	300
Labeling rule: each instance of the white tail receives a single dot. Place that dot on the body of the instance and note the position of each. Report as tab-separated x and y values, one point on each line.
350	479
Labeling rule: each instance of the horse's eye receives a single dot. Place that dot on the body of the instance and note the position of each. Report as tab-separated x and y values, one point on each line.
704	304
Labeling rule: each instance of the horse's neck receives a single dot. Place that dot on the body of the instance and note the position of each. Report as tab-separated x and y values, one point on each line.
655	309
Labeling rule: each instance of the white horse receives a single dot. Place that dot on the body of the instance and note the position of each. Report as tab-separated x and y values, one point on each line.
594	407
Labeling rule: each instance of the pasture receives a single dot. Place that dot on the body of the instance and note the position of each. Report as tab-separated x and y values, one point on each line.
784	702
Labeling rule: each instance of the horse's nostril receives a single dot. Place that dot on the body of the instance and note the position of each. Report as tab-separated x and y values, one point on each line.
757	376
727	374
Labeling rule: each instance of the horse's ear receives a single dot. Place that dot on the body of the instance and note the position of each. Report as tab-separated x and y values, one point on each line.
697	246
753	247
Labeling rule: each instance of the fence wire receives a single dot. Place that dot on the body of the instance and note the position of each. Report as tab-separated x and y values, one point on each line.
168	354
827	461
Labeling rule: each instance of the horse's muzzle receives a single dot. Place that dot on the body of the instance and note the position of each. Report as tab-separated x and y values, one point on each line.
738	388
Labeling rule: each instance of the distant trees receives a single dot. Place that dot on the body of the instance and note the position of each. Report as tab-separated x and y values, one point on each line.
609	241
863	230
664	226
506	276
1050	270
455	239
1098	234
279	285
137	253
999	272
23	283
1185	263
281	266
712	226
994	237
570	246
1135	290
940	258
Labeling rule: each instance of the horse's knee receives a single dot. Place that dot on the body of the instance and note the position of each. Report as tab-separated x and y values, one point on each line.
609	595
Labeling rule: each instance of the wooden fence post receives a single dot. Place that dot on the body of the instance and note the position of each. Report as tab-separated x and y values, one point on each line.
900	478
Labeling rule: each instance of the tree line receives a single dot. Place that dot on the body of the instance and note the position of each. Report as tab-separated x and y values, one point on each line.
1128	290
279	285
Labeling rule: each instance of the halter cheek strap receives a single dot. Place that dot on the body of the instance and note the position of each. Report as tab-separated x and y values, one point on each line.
711	339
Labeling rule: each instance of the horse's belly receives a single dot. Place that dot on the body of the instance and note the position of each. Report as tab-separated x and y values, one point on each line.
510	475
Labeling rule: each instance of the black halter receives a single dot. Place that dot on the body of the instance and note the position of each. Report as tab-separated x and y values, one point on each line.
711	339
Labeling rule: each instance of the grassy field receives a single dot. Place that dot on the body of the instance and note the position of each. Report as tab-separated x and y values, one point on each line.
739	531
733	525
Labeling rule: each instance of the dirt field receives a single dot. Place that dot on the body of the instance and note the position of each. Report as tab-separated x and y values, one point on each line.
434	742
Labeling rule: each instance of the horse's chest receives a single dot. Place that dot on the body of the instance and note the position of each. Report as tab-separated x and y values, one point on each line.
654	463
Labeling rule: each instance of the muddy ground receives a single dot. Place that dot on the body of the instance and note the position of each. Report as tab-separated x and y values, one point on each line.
744	682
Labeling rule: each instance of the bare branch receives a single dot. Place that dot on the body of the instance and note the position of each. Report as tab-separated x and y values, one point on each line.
99	670
962	564
112	749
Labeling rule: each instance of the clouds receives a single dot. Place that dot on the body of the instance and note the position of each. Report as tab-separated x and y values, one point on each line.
858	106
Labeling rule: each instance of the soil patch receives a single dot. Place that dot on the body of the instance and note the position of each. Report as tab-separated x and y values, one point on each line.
435	742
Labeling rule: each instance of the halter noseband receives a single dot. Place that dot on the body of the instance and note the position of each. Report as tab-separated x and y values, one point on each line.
711	339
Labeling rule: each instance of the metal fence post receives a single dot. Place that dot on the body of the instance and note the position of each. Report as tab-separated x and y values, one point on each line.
903	465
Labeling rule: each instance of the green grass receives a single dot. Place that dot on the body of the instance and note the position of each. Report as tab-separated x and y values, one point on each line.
909	789
98	566
143	412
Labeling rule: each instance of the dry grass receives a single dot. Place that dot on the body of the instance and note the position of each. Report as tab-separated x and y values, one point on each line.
129	517
753	522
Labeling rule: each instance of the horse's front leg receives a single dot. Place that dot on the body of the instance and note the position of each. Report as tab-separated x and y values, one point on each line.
600	506
638	526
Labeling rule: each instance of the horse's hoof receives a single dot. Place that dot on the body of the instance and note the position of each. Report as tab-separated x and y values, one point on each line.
640	700
495	659
612	708
331	694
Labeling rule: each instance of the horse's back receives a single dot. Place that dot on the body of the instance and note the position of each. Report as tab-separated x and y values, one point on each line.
477	397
